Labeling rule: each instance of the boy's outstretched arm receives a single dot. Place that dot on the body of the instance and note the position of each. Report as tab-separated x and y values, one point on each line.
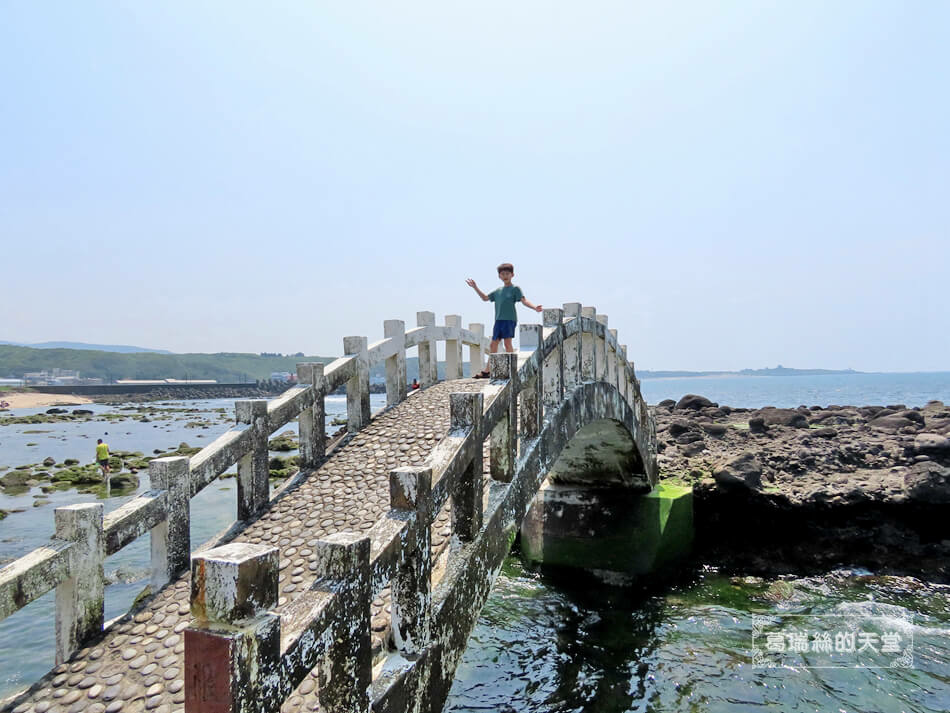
471	283
529	305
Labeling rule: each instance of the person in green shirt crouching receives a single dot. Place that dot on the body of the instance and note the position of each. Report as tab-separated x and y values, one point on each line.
506	317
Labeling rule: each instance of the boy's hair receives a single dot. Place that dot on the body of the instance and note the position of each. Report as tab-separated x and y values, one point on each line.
507	266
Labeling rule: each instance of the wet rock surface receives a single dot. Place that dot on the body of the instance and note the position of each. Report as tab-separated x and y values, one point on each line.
815	487
138	664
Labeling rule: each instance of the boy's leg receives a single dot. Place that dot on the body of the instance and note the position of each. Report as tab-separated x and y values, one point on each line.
493	347
508	347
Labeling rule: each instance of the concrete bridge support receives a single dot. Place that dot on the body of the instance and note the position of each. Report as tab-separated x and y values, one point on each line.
615	532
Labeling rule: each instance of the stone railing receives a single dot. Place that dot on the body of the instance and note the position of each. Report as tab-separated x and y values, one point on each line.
72	562
241	655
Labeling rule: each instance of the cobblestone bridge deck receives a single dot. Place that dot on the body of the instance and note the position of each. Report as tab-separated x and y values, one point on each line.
137	665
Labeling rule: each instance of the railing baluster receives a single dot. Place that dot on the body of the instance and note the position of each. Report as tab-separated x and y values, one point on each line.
588	344
253	485
396	364
80	598
476	356
232	647
453	348
312	422
357	388
428	373
572	348
465	411
612	359
553	367
600	345
344	677
410	493
531	408
504	437
171	538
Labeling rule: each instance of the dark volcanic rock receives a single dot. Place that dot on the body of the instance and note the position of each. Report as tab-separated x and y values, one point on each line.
894	422
757	425
694	402
784	417
928	482
55	411
932	444
743	470
827	432
679	426
667	403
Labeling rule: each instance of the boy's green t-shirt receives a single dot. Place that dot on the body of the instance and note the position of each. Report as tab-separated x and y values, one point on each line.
505	299
102	451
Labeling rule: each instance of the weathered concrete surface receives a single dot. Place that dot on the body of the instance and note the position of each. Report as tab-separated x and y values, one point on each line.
601	453
138	664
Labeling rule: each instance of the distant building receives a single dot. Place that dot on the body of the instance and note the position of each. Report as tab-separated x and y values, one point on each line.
281	376
12	382
52	377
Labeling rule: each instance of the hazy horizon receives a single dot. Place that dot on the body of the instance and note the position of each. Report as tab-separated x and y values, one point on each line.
733	184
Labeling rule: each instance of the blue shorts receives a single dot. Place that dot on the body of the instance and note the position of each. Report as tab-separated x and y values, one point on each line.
504	329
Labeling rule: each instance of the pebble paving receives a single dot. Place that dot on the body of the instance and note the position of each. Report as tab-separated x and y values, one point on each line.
137	665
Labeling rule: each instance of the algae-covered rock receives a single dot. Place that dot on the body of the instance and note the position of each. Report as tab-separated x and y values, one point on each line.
286	441
71	461
15	478
79	474
49	461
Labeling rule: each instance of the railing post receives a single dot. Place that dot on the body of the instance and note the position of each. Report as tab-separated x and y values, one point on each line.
395	329
428	364
504	437
453	348
600	348
171	538
612	359
232	647
465	412
532	410
572	348
312	422
588	339
345	675
253	484
476	358
553	371
80	598
357	388
410	495
622	372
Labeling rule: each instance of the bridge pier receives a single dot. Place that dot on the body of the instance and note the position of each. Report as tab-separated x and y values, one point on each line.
614	532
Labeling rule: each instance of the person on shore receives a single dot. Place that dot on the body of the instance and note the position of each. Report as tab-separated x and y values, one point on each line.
415	384
506	317
102	457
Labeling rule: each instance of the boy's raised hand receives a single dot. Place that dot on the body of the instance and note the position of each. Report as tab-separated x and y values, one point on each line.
470	282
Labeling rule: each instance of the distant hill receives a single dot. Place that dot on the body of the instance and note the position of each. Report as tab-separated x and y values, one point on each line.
120	348
223	367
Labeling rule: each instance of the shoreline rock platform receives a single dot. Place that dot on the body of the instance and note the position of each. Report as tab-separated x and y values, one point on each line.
813	488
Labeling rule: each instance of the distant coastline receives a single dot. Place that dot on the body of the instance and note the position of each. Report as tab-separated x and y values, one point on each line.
775	371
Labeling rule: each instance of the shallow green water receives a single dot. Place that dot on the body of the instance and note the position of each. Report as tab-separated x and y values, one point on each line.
545	644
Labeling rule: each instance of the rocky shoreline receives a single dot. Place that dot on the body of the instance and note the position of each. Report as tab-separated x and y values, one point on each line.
810	489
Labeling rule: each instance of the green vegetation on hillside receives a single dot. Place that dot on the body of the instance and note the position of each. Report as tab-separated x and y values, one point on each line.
223	367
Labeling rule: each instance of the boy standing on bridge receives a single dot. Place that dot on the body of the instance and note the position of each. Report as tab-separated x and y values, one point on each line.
506	317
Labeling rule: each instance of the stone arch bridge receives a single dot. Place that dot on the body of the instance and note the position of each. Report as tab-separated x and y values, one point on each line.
356	586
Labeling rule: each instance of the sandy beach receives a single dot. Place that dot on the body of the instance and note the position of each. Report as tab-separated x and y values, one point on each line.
34	400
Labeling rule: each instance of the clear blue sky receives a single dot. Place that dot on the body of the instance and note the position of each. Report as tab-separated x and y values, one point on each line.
735	184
